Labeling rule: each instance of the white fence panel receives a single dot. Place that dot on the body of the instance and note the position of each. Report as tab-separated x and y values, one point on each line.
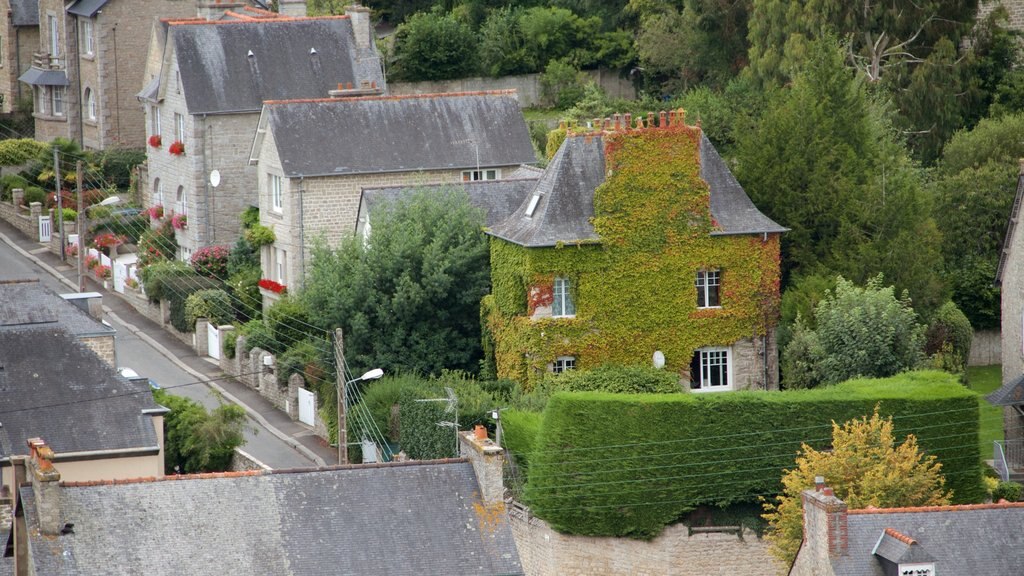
45	228
212	341
307	407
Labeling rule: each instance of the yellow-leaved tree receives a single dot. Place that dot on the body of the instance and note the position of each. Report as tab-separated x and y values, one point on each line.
865	468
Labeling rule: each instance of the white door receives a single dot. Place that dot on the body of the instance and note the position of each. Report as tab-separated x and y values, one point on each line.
307	406
120	273
45	228
212	341
369	451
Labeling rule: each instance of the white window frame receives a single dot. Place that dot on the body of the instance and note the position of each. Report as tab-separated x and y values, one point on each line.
87	42
706	279
563	364
154	120
275	184
42	96
708	360
158	192
90	103
482	174
181	201
562	305
52	24
57	97
280	266
179	127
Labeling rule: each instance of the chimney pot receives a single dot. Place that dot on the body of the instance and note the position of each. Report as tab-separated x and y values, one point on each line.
629	121
827	491
650	119
681	117
819	483
671	117
662	119
617	118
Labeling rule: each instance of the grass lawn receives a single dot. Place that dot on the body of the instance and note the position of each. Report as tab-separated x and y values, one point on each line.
985	379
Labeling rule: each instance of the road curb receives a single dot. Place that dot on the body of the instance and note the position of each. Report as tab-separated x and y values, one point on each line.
252	413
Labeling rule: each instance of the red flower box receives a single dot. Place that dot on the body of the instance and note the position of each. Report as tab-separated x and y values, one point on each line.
268	284
155	141
177	148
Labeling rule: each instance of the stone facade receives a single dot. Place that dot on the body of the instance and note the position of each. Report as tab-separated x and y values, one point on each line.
49	124
825	533
1015	8
678	551
103	346
17	43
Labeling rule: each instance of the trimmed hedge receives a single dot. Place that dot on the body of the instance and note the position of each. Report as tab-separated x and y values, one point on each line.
176	291
628	464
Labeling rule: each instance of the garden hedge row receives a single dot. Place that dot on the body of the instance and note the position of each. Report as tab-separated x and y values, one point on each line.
628	464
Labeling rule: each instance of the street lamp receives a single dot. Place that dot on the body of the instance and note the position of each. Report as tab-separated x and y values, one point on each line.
83	223
374	374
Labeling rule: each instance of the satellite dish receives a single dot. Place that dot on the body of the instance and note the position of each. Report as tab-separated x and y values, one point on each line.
215	178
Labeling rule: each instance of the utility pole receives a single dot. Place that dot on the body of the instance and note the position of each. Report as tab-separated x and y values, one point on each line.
60	204
83	223
339	362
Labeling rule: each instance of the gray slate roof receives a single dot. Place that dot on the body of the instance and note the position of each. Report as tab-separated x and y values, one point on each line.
566	198
53	387
1008	394
399	133
40	77
303	58
25	12
963	542
86	8
27	303
396	519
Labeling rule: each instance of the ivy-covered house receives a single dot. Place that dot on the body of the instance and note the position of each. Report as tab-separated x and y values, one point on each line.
637	245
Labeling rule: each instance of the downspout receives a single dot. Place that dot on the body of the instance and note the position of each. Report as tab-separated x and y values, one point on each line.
117	88
17	61
302	226
78	84
207	200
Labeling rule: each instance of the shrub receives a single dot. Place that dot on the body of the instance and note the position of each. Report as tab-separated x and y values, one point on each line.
289	322
34	194
197	440
154	276
242	256
250	217
561	84
1009	491
211	261
156	245
802	358
17	151
177	290
663	455
213	304
259	235
305	358
257	335
69	214
247	299
227	346
422	438
9	182
620	379
948	339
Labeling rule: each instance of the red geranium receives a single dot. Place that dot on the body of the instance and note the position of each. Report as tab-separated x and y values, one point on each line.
155	141
177	148
268	284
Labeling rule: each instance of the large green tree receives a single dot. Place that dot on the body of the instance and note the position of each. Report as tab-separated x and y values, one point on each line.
196	440
408	296
433	46
824	161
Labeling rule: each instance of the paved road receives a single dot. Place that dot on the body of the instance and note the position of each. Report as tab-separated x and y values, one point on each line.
139	354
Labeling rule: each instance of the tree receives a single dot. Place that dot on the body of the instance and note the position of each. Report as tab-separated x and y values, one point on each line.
859	332
408	296
865	467
196	440
433	46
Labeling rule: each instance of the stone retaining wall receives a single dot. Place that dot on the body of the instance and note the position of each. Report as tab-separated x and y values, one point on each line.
242	461
986	348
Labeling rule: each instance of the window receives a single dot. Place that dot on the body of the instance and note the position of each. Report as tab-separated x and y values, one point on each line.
154	119
186	254
181	206
90	104
275	185
179	127
563	363
711	369
51	21
158	192
562	305
40	99
57	100
280	266
87	47
475	175
708	282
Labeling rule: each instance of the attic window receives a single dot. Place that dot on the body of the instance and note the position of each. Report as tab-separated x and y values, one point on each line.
532	206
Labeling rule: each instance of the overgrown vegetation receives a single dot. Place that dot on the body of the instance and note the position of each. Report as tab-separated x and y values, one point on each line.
196	440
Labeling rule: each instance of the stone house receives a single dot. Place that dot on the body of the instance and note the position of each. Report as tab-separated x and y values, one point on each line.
922	541
310	192
206	83
637	245
19	39
87	65
425	517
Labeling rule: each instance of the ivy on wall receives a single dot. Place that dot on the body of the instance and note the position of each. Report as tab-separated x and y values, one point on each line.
634	291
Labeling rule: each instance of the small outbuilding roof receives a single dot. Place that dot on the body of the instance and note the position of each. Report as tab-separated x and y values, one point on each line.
25	12
86	8
1008	394
40	77
27	302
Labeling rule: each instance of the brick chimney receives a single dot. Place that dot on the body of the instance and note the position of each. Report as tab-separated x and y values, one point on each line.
215	9
488	460
293	8
824	522
361	25
45	486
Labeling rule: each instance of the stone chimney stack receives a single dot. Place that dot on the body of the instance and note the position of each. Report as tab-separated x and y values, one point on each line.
488	460
293	8
45	486
361	25
215	9
824	523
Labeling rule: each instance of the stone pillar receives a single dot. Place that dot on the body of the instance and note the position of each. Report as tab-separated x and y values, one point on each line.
45	486
488	461
228	364
35	210
202	339
214	9
18	196
361	25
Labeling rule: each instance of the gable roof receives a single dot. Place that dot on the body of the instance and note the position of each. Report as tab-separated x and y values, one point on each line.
52	386
973	539
565	198
232	66
28	302
1011	226
398	519
25	12
339	136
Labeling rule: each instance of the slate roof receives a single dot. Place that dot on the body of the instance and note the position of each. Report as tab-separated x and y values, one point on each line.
1008	394
26	303
53	387
25	12
394	519
565	195
291	58
86	8
339	136
40	77
963	540
1011	225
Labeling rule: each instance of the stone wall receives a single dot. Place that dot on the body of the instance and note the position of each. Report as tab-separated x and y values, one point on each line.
748	364
25	220
526	85
103	346
1014	7
986	348
242	461
676	551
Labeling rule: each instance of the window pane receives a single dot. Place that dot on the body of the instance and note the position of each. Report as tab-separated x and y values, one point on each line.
713	283
562	305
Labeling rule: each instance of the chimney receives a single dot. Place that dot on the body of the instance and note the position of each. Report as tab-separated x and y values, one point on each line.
89	302
292	8
824	522
215	9
45	486
361	26
488	461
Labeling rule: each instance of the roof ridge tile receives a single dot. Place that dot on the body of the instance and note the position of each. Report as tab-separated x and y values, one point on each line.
505	92
248	20
1002	504
892	532
153	479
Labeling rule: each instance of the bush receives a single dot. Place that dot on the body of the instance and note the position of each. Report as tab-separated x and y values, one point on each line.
948	339
1009	491
663	455
227	346
801	358
17	151
154	276
176	291
9	182
244	286
242	256
561	84
196	440
156	245
250	217
69	214
213	304
289	322
211	261
259	235
433	46
304	358
257	335
34	194
620	379
422	438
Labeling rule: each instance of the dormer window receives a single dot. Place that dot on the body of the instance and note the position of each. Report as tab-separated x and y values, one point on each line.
916	569
476	175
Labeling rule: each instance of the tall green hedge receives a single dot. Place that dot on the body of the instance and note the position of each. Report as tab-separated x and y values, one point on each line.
628	464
